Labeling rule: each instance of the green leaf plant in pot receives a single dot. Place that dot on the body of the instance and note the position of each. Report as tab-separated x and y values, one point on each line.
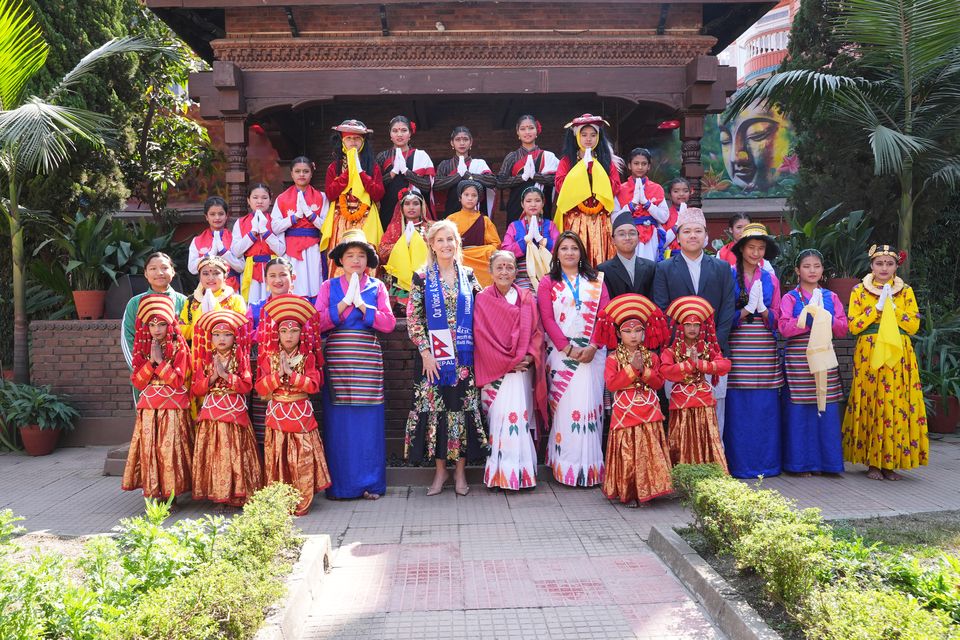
936	345
845	246
88	244
38	413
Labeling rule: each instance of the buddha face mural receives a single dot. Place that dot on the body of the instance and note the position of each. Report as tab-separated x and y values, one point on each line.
754	144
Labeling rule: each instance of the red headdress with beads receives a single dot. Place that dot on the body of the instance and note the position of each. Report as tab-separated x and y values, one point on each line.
286	308
690	309
223	320
155	307
633	306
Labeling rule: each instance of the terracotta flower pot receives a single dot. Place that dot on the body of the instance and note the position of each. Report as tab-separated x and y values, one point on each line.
842	287
39	442
943	419
89	304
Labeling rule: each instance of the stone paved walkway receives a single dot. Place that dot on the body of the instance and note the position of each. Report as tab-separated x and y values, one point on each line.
552	563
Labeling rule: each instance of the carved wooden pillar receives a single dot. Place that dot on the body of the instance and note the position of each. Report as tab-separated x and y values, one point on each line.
235	137
228	80
691	168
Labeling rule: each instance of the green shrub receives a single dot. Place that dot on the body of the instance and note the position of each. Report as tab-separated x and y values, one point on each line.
848	612
264	532
725	510
790	557
686	477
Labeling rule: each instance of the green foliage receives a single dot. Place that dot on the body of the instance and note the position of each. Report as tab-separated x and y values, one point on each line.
200	579
937	345
789	556
686	477
23	405
847	612
843	243
87	244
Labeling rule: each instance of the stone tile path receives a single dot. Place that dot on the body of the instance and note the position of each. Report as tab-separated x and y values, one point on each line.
552	563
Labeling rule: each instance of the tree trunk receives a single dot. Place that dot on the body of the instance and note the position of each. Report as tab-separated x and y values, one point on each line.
904	239
21	364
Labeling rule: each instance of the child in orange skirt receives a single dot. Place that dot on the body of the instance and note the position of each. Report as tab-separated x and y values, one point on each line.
161	448
226	468
287	374
638	459
694	355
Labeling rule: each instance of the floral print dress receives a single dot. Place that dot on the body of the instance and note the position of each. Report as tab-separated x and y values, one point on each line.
445	421
885	423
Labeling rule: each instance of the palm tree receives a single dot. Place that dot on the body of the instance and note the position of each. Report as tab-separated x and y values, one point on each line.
907	107
37	134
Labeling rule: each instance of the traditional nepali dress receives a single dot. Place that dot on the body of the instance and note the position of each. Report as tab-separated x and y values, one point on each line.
447	180
226	467
348	210
226	299
727	255
506	330
811	439
299	220
202	246
255	250
480	240
652	221
511	177
399	266
353	400
694	434
293	452
514	242
638	457
588	214
751	432
445	421
568	310
420	173
161	449
885	424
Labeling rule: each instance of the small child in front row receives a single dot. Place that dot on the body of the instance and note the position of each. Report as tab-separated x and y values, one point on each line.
811	403
694	355
159	460
287	374
226	467
638	458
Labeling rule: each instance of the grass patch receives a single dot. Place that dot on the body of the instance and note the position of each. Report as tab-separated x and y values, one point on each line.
923	535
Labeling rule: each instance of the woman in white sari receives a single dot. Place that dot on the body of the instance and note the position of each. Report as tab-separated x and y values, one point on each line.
569	299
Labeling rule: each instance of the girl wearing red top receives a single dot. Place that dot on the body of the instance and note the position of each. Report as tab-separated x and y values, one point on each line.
159	459
694	355
287	374
215	241
298	215
255	243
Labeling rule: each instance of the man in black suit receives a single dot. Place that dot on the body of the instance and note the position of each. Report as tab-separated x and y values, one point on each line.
692	272
626	272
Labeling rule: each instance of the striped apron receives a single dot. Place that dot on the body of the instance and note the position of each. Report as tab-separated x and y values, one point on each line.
754	357
803	388
354	364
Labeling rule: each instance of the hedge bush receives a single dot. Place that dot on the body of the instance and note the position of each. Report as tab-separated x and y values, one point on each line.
196	579
837	588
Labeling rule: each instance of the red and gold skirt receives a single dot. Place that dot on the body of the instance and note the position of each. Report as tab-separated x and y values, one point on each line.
695	437
161	452
296	459
226	467
638	463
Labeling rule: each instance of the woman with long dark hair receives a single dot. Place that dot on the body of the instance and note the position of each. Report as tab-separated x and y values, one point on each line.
401	166
569	299
587	182
528	166
451	172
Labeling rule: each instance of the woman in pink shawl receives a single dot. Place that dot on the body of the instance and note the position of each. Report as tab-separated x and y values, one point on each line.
508	347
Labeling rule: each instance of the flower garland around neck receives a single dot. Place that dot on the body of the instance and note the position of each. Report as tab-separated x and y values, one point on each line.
583	207
896	285
351	207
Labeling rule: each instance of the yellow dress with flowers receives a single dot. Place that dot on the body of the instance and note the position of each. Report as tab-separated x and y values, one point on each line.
885	423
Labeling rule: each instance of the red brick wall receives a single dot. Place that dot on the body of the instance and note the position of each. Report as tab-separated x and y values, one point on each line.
82	358
364	20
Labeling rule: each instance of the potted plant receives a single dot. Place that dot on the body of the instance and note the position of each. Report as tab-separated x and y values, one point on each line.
88	245
803	235
135	241
38	413
936	344
845	245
